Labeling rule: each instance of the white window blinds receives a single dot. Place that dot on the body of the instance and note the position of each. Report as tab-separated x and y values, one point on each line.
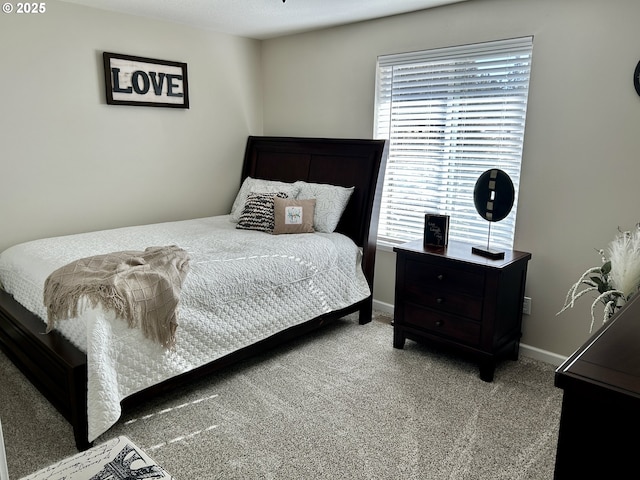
449	115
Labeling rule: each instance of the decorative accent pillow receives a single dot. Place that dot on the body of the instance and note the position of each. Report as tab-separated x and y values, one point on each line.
293	216
258	212
331	200
257	185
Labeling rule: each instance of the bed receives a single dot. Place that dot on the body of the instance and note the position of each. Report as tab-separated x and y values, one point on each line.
69	370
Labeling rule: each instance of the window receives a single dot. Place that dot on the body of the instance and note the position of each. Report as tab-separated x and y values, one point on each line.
449	115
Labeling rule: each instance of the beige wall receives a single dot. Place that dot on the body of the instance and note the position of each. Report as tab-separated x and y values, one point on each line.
580	168
72	163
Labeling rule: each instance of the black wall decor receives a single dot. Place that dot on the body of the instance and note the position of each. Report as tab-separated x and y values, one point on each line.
131	80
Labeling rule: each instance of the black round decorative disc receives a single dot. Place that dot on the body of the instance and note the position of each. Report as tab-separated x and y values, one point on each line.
493	195
636	78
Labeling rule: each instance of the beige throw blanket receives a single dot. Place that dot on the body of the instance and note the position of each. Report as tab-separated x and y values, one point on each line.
141	287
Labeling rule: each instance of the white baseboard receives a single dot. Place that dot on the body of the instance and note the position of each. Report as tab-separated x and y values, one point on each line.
526	350
383	307
542	355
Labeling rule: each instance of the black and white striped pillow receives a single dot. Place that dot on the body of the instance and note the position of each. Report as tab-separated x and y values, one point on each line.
258	212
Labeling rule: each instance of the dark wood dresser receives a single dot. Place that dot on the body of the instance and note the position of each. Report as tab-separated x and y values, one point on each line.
454	298
599	434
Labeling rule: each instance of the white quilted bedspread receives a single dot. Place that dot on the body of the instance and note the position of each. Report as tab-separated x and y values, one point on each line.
243	286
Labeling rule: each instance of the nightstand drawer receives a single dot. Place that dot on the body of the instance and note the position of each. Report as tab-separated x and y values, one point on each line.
445	301
442	324
426	275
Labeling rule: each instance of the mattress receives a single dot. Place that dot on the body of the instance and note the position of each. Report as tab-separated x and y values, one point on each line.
243	286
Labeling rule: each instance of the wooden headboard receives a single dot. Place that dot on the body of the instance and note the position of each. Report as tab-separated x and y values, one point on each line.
343	162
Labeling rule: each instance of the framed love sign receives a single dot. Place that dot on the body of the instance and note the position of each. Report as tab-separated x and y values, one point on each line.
147	82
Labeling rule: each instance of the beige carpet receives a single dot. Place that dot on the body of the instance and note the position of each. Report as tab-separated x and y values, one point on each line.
341	403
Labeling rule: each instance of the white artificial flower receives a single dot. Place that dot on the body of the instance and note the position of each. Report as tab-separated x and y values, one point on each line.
616	281
624	253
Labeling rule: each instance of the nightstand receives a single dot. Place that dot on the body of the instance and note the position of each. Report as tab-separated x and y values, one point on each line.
459	300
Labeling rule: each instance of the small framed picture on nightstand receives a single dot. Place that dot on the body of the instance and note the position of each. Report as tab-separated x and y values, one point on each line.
436	230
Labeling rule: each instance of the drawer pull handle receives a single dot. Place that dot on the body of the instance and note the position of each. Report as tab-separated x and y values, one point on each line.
439	323
440	277
439	300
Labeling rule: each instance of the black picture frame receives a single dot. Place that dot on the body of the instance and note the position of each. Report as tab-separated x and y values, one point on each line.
145	82
436	230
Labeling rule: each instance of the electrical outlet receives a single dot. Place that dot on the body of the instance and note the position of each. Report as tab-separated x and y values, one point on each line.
526	306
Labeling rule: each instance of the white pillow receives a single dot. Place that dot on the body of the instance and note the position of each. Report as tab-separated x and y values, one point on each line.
257	185
331	200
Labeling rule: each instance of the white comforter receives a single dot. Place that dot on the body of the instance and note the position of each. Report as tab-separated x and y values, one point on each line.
243	286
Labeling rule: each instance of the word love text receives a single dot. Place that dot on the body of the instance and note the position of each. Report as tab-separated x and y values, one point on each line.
144	81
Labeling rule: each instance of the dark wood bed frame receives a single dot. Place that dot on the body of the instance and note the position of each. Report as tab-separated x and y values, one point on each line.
59	370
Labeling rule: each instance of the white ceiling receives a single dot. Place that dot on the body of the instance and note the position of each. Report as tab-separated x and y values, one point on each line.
263	19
